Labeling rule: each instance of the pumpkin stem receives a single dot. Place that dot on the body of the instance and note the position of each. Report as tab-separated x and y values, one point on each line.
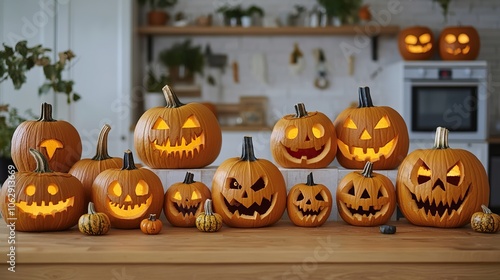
368	170
128	161
152	217
365	99
189	178
441	139
46	113
486	210
300	110
172	100
248	152
91	208
42	165
310	180
208	207
102	144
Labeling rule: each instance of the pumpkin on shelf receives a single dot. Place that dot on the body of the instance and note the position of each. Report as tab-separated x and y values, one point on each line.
416	43
94	223
309	204
366	198
304	140
127	195
247	191
370	133
459	43
178	135
58	141
184	201
441	187
208	221
485	221
44	200
86	170
151	225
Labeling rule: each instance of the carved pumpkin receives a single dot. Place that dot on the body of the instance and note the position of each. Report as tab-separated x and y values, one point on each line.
184	201
127	195
366	198
86	170
441	187
485	221
304	140
42	200
58	141
369	133
309	204
208	221
416	43
178	135
248	192
459	43
94	223
151	225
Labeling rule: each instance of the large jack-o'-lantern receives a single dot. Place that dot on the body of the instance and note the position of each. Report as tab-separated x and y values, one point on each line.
178	135
369	133
42	200
441	187
459	43
58	141
309	204
248	192
127	195
184	201
304	140
366	198
416	43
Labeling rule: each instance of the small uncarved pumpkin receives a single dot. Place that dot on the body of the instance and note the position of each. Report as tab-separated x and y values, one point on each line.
94	223
151	225
485	221
208	221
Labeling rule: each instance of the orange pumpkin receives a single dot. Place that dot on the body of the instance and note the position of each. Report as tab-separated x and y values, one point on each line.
416	43
459	43
441	187
178	135
369	133
248	192
304	140
58	141
151	225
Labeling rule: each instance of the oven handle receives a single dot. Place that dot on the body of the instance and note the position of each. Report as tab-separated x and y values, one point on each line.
444	83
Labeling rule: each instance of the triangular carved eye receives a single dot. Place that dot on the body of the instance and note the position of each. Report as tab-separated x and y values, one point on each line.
191	122
177	196
195	195
423	173
454	174
160	124
260	184
300	197
383	123
349	123
319	197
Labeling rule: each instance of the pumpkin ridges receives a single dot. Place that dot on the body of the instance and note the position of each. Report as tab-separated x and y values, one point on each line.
93	223
208	221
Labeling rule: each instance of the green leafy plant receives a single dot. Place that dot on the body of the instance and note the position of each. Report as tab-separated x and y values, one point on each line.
155	83
9	120
231	11
184	54
157	4
254	10
340	8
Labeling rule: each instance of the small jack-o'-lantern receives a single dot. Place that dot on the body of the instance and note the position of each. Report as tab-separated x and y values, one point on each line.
42	200
184	201
366	198
127	195
369	133
459	43
248	192
58	141
178	135
309	204
416	43
441	187
304	140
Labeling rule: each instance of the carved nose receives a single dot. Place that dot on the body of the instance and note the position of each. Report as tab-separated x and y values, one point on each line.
244	195
365	135
128	198
438	183
308	202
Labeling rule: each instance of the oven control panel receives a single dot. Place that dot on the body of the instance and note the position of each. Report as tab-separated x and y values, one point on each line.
445	73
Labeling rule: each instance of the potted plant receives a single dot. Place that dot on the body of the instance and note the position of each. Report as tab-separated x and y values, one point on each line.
231	14
156	15
252	16
183	61
343	10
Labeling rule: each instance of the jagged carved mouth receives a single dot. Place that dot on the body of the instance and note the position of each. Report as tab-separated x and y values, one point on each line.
457	51
368	154
130	211
308	153
419	48
440	208
255	210
45	209
181	149
367	212
310	213
186	210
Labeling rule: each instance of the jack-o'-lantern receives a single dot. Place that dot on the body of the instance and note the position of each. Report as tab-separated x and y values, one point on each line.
178	135
58	141
42	200
184	201
366	198
441	187
309	204
459	43
248	192
416	43
127	195
304	140
369	133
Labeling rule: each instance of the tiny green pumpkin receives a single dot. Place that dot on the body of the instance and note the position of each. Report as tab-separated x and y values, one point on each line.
208	221
485	221
94	223
151	225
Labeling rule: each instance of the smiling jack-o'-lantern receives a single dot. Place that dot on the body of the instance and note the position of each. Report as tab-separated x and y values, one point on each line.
416	43
459	43
178	135
248	192
127	195
441	187
42	200
304	140
184	201
366	198
309	204
369	133
58	141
